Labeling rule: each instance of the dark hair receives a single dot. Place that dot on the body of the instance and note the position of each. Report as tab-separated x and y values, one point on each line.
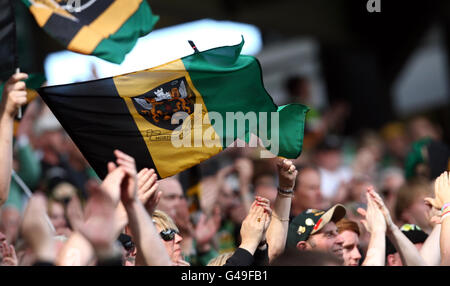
304	167
292	82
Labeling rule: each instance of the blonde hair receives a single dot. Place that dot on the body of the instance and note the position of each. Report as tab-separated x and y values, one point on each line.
51	202
164	221
220	260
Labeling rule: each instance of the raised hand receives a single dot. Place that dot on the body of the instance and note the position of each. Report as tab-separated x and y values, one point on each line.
253	227
75	212
148	192
99	228
265	204
9	257
36	231
374	218
129	185
112	182
441	191
433	214
211	187
286	174
14	95
207	227
381	206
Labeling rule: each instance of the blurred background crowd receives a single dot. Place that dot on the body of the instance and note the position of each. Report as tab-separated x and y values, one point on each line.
209	202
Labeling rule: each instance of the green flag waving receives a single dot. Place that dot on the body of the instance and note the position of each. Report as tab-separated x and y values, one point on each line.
107	29
176	115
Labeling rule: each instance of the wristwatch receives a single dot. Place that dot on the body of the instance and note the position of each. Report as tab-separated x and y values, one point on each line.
262	243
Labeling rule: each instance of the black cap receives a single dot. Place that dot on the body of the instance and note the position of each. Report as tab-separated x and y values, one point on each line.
413	232
330	143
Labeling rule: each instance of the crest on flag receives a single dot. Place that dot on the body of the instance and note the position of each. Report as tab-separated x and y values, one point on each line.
67	5
159	104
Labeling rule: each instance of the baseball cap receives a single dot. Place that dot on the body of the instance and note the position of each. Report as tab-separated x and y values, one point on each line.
413	232
311	221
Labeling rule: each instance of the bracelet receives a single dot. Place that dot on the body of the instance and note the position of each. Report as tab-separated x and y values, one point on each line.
446	205
262	243
278	218
445	213
444	216
286	193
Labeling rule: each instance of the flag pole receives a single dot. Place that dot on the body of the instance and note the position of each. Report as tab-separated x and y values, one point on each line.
19	114
193	46
27	191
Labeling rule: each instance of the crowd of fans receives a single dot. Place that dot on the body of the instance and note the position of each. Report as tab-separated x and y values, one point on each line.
381	198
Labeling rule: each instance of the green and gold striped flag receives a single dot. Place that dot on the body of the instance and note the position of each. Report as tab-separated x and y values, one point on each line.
107	29
218	93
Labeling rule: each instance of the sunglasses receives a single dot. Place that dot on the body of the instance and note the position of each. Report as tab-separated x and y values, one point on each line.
168	234
126	242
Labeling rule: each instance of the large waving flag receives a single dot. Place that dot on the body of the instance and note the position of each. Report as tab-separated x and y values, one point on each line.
134	112
107	29
8	62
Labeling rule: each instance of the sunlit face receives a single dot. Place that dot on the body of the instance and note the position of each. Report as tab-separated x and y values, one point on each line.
351	253
173	247
172	194
57	216
329	159
417	213
307	190
328	240
267	191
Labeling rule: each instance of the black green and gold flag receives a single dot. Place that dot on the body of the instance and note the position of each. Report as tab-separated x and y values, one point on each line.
134	112
107	29
8	62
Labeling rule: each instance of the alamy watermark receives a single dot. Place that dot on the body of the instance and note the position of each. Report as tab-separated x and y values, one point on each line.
192	132
374	6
